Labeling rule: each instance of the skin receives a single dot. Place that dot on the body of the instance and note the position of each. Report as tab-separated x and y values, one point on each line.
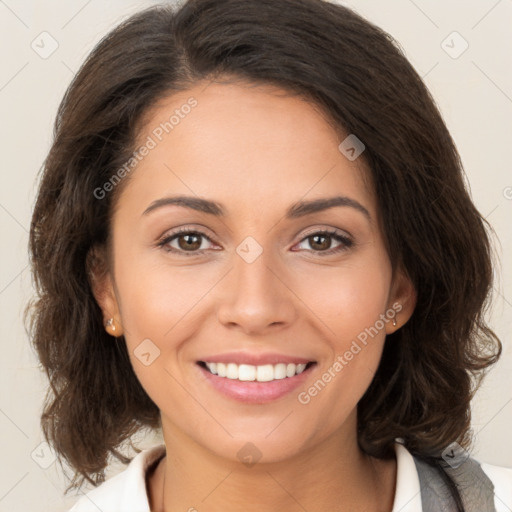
255	150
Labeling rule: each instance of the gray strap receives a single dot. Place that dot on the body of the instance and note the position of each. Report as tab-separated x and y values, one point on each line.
475	488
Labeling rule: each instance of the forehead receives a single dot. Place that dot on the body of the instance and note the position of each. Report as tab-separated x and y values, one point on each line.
242	143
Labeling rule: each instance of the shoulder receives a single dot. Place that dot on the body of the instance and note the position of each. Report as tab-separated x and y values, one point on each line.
125	491
419	488
501	478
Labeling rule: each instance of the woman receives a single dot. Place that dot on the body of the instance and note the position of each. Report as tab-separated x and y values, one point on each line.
253	232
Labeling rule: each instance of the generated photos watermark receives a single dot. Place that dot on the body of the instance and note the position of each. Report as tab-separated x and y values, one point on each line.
157	135
343	360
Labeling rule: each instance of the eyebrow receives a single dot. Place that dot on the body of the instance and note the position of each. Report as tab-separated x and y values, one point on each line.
295	211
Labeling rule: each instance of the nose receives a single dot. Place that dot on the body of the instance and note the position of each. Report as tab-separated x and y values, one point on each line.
255	297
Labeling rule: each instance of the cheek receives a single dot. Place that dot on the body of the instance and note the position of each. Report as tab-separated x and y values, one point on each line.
157	297
348	304
347	299
157	306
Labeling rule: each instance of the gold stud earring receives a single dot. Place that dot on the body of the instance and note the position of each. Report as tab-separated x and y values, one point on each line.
113	329
394	321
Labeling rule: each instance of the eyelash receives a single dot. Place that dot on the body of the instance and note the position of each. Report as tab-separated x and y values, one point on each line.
346	242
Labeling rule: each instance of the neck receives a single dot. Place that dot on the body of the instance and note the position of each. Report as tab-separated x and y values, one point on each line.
333	475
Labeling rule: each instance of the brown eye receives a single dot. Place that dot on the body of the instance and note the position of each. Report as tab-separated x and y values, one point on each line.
321	242
188	242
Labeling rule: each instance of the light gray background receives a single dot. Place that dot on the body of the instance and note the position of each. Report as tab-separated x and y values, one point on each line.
474	92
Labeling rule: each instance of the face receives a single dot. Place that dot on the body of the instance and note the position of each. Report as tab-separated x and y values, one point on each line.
257	279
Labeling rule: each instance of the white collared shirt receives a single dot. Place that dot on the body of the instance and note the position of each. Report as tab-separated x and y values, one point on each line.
126	491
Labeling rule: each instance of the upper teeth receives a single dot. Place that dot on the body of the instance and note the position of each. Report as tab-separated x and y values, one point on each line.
264	373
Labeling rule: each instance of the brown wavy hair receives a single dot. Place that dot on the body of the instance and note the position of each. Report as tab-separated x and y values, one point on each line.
358	74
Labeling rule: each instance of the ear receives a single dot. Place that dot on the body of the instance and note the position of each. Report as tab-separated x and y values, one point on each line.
102	286
402	301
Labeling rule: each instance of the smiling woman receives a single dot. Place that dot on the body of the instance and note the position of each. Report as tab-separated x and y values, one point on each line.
287	277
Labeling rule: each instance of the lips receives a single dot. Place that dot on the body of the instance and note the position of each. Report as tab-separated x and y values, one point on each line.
254	392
